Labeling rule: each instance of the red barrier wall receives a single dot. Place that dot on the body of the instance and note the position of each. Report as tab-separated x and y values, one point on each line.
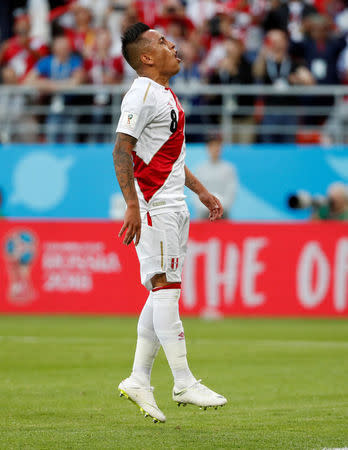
231	269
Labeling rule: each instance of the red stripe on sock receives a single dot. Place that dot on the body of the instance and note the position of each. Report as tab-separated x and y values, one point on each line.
168	286
149	220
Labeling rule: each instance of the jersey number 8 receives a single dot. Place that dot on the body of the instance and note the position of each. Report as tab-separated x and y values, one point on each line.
174	122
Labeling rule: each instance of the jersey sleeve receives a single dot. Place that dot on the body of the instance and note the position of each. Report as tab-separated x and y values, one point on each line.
137	111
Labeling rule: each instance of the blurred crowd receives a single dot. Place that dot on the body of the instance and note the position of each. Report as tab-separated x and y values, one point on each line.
57	44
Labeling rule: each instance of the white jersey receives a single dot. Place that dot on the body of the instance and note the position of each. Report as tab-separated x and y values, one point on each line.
153	115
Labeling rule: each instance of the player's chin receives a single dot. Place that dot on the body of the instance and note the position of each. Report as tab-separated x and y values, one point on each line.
176	65
176	69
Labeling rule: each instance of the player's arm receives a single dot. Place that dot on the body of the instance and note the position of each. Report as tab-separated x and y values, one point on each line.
123	163
209	200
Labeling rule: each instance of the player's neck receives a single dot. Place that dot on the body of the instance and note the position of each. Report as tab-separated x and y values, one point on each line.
157	78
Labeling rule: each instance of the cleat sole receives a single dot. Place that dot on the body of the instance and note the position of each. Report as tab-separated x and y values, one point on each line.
123	394
201	407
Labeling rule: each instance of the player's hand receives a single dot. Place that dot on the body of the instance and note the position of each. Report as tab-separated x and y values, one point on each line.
132	225
213	204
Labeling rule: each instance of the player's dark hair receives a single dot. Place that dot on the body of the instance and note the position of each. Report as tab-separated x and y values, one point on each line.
131	36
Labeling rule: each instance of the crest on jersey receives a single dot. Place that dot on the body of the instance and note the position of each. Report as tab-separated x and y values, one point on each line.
129	120
174	263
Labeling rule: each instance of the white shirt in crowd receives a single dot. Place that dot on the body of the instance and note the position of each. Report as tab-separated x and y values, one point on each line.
220	178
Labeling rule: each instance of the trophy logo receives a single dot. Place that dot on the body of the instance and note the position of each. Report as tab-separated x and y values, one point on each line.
20	253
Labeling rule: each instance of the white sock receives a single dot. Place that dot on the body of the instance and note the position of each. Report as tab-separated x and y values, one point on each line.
170	332
147	345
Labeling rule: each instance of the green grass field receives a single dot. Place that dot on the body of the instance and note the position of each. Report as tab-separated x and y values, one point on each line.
286	382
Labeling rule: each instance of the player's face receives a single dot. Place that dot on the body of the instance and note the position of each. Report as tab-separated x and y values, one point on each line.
163	53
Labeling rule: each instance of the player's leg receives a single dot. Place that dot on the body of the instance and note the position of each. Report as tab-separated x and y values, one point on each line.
169	329
166	318
147	345
159	251
137	387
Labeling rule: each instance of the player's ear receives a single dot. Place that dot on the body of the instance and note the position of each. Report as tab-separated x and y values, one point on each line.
146	59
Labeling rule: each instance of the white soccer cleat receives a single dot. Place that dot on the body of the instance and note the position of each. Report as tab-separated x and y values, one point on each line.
142	397
199	395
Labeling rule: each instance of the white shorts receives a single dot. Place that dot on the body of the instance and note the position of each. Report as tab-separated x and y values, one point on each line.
162	246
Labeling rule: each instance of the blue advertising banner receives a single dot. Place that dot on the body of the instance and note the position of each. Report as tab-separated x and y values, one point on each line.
78	181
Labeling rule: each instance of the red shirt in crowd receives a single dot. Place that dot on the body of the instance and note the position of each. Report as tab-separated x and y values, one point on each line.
22	58
81	41
96	68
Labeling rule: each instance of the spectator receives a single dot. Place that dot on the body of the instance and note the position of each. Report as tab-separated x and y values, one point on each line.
235	69
320	50
337	207
52	75
288	17
218	176
174	22
82	36
246	16
335	129
275	67
102	69
208	32
219	29
130	16
99	10
147	10
19	54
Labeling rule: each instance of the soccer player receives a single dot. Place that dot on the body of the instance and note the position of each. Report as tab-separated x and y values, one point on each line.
149	159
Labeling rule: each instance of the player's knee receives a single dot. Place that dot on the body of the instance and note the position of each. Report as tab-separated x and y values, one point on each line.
146	333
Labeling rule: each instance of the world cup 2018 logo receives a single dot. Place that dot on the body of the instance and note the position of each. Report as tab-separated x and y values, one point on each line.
20	252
